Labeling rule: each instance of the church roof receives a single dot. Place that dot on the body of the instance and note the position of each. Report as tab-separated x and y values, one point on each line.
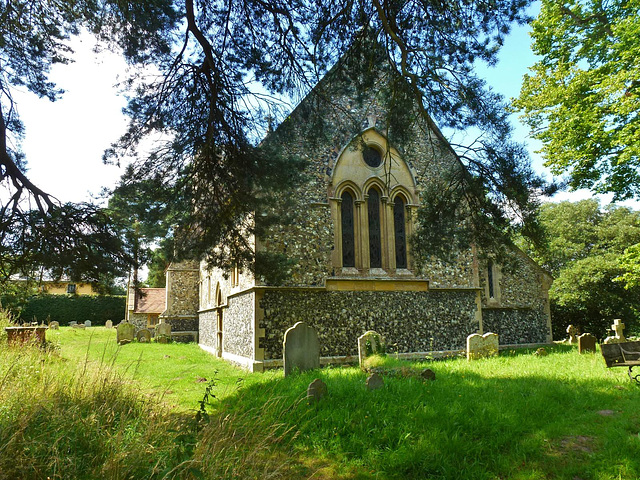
151	300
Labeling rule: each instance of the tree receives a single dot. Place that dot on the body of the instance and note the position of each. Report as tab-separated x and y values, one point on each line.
583	253
582	97
222	69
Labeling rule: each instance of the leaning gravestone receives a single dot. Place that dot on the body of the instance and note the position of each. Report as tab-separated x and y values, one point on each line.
87	323
54	325
125	333
143	335
369	343
586	343
108	324
374	382
316	390
163	333
301	349
479	346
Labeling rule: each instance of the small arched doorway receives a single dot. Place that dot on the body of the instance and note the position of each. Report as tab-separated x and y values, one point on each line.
219	323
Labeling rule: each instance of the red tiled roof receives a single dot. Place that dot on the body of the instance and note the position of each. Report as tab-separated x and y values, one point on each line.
151	300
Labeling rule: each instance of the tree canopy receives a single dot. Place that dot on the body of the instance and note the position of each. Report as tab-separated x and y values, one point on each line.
212	75
584	254
582	98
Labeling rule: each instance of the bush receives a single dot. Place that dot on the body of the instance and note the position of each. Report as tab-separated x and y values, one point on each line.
67	308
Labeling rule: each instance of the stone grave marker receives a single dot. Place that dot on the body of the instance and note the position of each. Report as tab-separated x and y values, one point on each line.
163	333
108	324
54	325
374	382
480	346
72	323
316	391
369	343
301	349
428	374
586	343
87	323
79	325
572	331
617	328
125	333
143	335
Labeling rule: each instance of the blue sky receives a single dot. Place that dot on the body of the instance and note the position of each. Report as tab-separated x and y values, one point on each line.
64	140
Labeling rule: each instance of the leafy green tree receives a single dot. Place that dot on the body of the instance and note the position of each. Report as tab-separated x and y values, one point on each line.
630	264
584	250
220	69
582	98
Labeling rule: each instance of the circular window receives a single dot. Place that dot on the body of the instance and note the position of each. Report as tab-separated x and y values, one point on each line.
372	156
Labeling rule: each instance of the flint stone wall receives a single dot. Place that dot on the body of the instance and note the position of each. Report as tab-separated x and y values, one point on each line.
237	326
409	321
516	325
139	320
208	328
183	324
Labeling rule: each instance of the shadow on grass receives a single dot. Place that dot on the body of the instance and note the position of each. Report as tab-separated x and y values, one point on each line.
534	419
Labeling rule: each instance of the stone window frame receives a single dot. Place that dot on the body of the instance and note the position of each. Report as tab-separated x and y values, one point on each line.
492	277
361	227
71	288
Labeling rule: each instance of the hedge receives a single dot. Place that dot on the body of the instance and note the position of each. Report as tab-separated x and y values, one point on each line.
78	308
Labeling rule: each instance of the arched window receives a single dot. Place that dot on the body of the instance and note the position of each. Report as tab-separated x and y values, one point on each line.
375	239
400	232
348	236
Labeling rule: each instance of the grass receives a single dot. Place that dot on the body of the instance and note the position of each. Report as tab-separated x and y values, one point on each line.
129	412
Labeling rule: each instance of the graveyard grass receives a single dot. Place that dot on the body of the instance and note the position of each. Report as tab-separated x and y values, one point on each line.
86	408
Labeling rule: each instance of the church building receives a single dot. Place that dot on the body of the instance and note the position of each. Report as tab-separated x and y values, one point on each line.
352	266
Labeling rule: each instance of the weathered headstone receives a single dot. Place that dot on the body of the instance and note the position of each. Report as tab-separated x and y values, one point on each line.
301	349
54	325
72	323
143	335
541	352
586	343
108	324
374	382
87	323
428	374
78	325
316	391
163	333
573	332
125	333
618	336
369	343
479	346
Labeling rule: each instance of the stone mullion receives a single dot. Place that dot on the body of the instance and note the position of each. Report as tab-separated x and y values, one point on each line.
410	213
336	216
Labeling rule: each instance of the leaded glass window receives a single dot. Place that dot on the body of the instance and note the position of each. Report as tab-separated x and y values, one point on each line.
375	247
492	292
400	233
348	238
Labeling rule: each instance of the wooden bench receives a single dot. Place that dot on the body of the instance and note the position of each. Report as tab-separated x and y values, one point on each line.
626	354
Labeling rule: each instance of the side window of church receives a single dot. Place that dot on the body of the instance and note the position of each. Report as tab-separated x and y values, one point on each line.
490	280
71	288
375	245
399	232
348	236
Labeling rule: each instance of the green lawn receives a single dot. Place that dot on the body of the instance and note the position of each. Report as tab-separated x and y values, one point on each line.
517	416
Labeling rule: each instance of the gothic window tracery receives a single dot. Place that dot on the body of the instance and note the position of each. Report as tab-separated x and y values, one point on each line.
348	237
375	239
399	230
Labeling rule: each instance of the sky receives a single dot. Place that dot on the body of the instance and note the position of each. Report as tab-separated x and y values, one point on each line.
65	139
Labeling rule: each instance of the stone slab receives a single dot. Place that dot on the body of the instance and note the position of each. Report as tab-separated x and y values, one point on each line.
301	349
587	343
481	346
125	333
369	343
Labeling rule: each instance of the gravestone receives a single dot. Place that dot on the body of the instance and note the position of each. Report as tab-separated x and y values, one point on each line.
72	323
572	331
79	325
87	323
618	336
369	343
163	333
586	343
301	349
143	335
316	391
541	352
428	374
480	346
125	333
108	324
54	325
374	382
